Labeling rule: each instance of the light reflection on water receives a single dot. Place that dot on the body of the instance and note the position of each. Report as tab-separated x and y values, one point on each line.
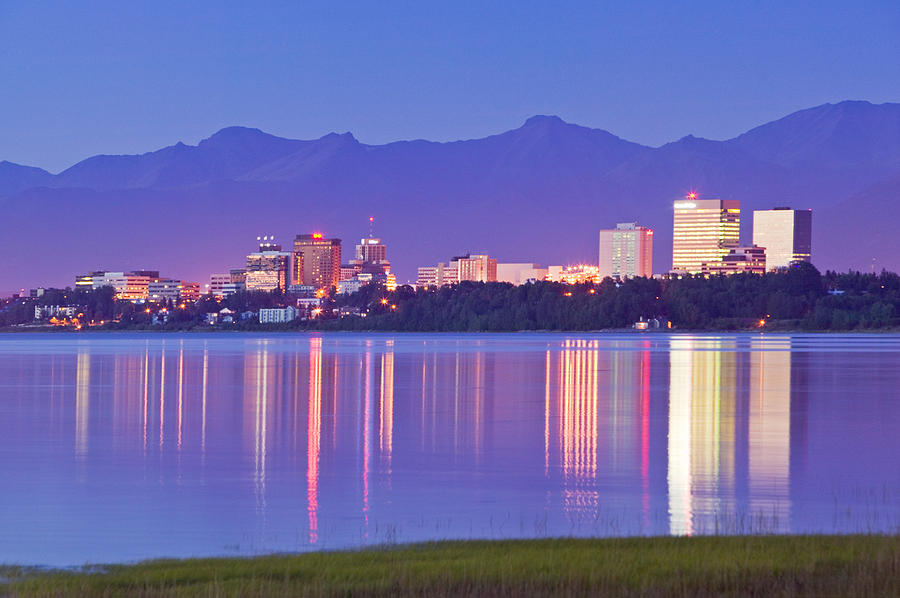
121	447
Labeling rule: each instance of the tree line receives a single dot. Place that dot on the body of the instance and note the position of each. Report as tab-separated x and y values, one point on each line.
800	298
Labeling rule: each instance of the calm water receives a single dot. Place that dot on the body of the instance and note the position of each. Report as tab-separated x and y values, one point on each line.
124	447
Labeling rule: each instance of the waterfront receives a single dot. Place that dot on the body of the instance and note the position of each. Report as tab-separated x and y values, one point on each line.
122	447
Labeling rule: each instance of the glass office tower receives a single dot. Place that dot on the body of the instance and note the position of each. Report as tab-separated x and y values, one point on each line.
705	230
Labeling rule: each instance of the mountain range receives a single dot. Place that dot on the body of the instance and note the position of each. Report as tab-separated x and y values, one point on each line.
538	193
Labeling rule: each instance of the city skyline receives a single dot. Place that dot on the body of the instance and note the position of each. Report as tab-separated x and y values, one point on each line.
560	178
705	243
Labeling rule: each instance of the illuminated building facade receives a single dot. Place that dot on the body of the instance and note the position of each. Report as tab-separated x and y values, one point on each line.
705	230
317	261
626	251
86	281
437	276
267	269
577	274
130	286
275	315
785	233
519	274
369	264
371	251
741	259
476	268
217	284
471	267
190	291
164	289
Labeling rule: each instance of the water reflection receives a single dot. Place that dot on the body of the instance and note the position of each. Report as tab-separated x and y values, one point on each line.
198	445
769	432
719	425
314	436
571	401
82	402
701	432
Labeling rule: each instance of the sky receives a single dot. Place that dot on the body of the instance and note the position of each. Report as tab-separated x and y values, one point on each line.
83	78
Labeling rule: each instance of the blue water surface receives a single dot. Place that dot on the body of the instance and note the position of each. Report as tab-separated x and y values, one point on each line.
120	447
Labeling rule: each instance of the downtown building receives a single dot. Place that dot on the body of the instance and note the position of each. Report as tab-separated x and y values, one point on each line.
369	264
437	276
626	251
140	286
128	286
740	260
786	235
469	267
520	273
705	230
267	269
317	261
217	284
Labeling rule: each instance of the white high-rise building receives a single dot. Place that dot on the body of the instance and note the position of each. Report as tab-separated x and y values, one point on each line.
785	233
626	251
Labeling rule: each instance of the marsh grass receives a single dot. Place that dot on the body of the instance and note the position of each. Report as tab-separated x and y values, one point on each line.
663	566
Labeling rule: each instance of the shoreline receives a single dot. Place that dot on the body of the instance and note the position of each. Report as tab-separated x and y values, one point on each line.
282	331
663	565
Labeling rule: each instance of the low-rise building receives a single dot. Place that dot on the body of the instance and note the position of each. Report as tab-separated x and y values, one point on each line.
43	312
520	273
740	259
223	316
277	315
190	291
231	288
217	283
472	267
577	274
164	289
437	276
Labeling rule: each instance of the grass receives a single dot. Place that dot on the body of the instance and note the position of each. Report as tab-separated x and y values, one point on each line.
704	566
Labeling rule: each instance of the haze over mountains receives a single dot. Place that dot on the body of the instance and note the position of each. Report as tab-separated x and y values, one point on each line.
537	193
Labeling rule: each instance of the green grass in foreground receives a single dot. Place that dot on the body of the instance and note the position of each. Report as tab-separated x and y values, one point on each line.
707	566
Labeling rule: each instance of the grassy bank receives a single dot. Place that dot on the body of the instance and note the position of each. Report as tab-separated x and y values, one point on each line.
708	566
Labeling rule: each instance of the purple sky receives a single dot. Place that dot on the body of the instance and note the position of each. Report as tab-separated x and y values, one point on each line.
135	76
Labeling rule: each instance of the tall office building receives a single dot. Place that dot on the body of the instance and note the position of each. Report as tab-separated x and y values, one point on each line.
268	268
785	233
626	251
317	261
705	230
371	254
